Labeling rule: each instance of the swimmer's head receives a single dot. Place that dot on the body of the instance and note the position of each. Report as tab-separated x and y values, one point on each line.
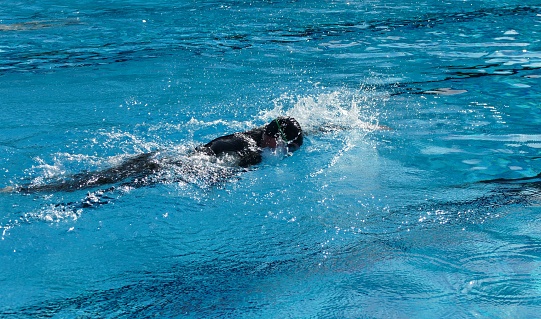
286	129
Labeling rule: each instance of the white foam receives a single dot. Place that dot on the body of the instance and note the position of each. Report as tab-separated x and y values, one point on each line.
338	110
54	214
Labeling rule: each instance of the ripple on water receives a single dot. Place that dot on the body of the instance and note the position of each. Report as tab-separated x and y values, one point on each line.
508	275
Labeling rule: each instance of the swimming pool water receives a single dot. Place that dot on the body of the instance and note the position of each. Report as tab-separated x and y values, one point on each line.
406	106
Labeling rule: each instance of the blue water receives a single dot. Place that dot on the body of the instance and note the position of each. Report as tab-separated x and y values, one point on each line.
406	106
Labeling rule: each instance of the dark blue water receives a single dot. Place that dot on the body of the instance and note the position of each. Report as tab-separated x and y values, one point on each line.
406	106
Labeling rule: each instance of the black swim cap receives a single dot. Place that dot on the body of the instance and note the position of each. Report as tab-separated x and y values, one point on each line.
288	129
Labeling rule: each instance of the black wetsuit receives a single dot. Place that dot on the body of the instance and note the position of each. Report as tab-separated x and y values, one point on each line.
245	145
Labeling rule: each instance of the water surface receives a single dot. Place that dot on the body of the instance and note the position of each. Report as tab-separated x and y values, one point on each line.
406	106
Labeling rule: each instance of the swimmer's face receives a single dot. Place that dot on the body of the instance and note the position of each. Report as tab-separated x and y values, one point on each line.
269	141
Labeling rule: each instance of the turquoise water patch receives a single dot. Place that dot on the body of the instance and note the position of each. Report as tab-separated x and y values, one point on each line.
406	107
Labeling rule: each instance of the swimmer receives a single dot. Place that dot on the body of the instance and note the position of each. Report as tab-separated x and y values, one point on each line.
283	132
245	147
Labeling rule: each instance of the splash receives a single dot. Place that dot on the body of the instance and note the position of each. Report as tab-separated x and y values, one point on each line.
339	120
339	110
